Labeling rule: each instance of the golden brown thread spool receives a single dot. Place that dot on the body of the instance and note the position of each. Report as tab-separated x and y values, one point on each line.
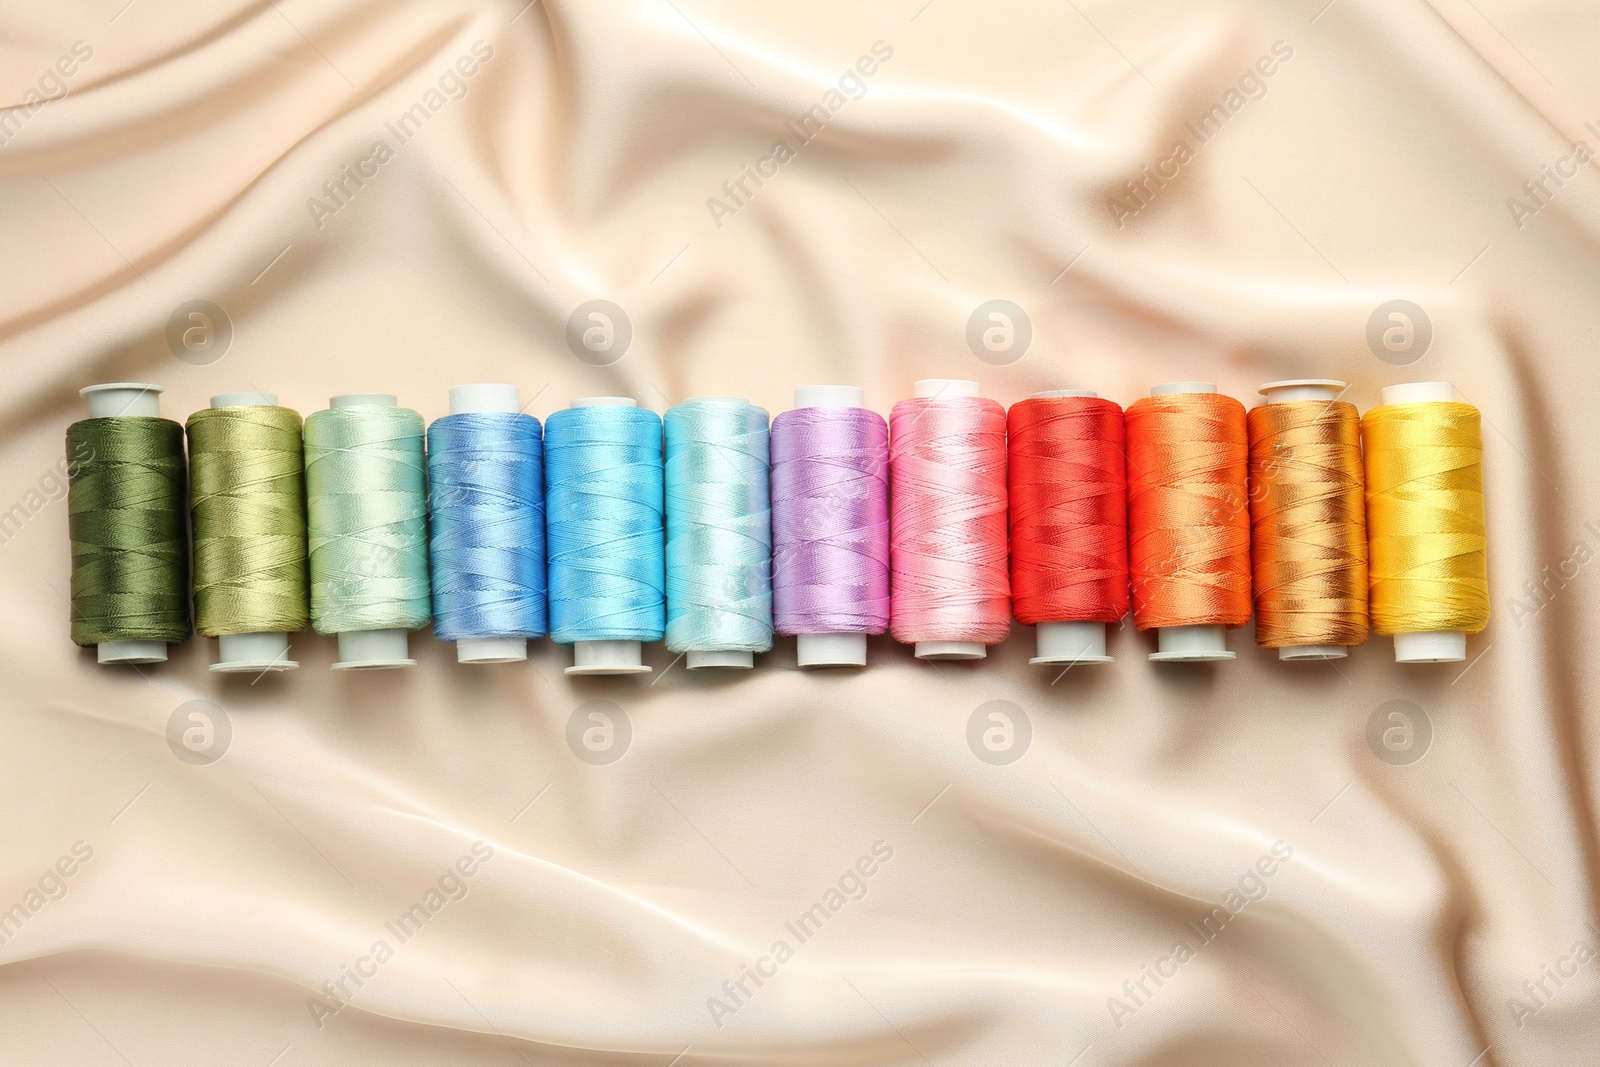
1308	521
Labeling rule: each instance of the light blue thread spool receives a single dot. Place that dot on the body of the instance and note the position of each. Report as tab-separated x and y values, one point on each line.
486	536
604	532
719	532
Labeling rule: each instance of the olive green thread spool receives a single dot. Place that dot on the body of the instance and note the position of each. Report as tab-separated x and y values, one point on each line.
126	511
248	511
367	528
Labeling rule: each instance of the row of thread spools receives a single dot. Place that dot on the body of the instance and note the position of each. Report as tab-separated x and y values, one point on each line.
610	526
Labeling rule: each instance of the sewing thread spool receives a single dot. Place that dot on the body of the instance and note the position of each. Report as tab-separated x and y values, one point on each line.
486	525
130	548
719	533
1188	519
367	511
248	510
1427	530
830	525
1308	521
950	593
1068	493
604	525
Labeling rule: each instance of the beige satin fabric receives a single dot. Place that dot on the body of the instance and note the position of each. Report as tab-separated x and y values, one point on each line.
917	863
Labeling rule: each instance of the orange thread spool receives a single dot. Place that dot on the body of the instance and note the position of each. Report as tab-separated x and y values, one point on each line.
1188	519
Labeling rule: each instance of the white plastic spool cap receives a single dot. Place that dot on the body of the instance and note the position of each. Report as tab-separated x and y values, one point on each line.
1069	642
371	650
483	397
1189	644
607	657
109	401
1429	646
479	398
266	650
1291	391
943	388
938	389
828	396
830	650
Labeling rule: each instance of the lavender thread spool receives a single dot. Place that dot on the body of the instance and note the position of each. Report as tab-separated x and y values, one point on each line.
830	525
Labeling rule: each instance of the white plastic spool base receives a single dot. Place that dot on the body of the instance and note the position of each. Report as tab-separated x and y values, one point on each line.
1070	643
607	657
950	650
491	650
828	396
108	401
134	652
1191	644
1433	646
253	653
1291	391
480	398
265	650
831	650
112	399
733	661
373	650
943	388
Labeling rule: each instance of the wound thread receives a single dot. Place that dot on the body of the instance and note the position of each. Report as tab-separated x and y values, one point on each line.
1425	512
719	527
604	524
247	505
1308	524
367	514
947	525
1069	510
486	535
1188	518
830	521
130	545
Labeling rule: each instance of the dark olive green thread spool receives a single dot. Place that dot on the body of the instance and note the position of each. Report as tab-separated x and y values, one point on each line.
126	515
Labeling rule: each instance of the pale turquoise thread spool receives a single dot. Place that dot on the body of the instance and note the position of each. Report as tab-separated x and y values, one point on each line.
367	508
719	532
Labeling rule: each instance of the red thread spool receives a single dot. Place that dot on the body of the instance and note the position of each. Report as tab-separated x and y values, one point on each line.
1069	522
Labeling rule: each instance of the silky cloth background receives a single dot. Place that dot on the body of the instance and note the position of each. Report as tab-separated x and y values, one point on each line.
1421	894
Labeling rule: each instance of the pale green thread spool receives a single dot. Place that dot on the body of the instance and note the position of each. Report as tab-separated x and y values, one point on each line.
367	510
247	506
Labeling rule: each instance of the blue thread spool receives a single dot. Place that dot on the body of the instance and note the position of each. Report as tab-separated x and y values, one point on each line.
486	541
604	511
